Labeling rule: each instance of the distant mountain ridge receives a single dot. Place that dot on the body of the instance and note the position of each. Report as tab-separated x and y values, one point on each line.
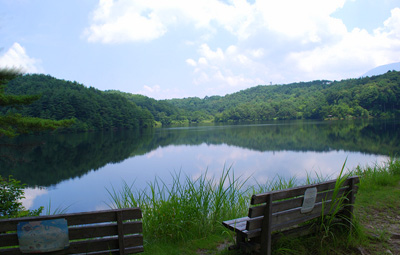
376	97
382	69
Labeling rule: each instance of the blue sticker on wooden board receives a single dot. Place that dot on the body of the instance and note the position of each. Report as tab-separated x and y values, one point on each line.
43	236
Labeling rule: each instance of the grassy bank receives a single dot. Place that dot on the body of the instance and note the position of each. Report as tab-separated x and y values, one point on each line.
185	217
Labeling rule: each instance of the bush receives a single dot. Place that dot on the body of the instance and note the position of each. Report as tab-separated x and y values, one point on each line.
11	193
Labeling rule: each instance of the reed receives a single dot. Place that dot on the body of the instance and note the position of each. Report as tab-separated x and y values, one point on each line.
328	222
186	209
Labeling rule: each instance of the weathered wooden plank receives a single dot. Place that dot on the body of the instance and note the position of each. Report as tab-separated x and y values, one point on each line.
287	216
10	251
295	232
134	242
76	218
291	203
8	239
100	230
236	225
296	191
101	244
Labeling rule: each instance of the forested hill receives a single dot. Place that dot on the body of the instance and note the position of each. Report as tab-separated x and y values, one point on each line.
92	108
376	96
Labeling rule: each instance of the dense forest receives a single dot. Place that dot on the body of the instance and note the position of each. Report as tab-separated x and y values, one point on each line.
376	96
91	108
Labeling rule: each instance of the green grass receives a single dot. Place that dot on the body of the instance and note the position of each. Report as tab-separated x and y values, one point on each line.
185	210
185	216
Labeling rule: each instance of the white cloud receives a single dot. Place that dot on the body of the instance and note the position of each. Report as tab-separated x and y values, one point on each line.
30	196
278	41
155	88
354	53
16	57
227	70
115	22
391	25
129	21
191	62
157	92
303	20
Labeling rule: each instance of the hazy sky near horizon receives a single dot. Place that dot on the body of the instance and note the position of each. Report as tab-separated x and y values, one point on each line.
182	48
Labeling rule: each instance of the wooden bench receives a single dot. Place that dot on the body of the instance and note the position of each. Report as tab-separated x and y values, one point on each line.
100	232
278	213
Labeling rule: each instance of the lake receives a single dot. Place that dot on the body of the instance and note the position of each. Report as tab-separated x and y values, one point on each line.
75	170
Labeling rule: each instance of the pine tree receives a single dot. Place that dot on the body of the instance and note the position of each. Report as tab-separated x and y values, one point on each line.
13	124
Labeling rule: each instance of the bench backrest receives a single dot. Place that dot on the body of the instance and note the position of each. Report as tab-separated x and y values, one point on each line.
283	208
101	232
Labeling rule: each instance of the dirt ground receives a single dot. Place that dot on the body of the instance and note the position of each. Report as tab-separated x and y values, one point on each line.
384	230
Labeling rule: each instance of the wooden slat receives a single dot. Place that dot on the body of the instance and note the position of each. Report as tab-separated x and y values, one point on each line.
98	230
99	246
287	216
8	239
76	218
10	251
295	232
291	203
102	244
236	224
297	191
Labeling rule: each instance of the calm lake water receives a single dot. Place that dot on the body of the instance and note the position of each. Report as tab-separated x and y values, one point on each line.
75	170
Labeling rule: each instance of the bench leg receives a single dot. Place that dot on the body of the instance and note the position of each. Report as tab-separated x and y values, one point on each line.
266	227
240	238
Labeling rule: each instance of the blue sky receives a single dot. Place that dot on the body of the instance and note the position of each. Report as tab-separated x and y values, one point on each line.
182	48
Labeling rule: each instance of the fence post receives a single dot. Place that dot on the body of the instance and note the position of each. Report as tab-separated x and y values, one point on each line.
121	242
266	227
349	207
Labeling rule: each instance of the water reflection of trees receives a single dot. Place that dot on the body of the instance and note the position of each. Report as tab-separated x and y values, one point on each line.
374	137
47	160
50	159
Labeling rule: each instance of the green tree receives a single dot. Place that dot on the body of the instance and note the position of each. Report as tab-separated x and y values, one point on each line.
11	193
12	124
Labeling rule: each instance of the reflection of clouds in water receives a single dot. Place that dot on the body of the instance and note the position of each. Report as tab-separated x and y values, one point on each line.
30	195
265	166
101	207
88	192
155	154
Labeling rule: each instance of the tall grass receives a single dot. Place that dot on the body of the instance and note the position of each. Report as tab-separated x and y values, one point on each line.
374	177
186	209
337	203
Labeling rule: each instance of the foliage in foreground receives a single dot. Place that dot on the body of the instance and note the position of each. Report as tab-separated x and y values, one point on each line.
11	193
